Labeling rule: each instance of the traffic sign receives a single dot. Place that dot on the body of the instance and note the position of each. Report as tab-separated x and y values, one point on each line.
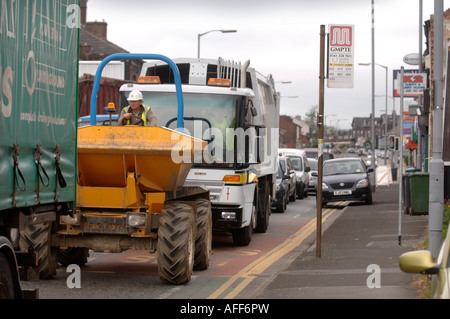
412	59
340	56
414	83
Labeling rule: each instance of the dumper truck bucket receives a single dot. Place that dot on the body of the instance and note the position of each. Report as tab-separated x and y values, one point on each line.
160	158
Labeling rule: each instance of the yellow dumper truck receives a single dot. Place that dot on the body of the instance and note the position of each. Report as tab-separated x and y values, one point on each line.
131	194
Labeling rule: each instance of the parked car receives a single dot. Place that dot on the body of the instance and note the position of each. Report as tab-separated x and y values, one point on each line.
369	159
346	179
282	187
287	169
422	262
312	178
301	166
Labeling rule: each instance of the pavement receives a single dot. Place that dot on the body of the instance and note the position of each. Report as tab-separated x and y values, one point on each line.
359	254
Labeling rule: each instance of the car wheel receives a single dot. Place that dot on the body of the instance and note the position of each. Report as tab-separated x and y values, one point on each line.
282	207
300	191
292	198
369	198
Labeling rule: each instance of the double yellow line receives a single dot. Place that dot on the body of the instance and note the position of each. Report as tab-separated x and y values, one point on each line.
247	274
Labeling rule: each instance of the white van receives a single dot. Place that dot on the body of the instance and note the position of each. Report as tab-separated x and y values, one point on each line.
301	166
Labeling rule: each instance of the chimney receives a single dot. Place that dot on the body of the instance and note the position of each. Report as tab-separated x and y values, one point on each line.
99	28
83	7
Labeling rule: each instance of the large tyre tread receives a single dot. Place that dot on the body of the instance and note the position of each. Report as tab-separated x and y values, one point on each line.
37	237
176	236
204	235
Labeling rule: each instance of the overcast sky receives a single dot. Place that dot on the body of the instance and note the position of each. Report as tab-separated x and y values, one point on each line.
280	38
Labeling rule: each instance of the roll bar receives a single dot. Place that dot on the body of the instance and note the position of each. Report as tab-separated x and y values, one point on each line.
138	56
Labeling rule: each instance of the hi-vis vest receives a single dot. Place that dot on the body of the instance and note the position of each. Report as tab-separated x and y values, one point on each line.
143	115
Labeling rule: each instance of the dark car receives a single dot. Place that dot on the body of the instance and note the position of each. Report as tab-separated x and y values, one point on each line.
288	169
281	196
346	179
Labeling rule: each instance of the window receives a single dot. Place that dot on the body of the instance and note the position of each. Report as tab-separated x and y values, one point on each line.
296	163
219	110
344	167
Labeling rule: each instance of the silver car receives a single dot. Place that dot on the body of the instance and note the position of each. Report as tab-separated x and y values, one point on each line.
288	170
301	166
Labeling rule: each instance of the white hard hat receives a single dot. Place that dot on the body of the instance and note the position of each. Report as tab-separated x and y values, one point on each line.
135	95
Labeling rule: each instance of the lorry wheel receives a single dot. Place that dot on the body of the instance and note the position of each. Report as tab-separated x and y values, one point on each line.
176	243
243	236
37	237
203	239
6	279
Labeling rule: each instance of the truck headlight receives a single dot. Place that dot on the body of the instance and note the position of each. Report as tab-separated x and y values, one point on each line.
228	215
136	220
74	219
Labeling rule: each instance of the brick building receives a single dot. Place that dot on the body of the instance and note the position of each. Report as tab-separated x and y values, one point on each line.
94	45
293	132
362	129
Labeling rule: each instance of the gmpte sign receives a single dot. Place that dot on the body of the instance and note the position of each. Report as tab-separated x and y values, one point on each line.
341	56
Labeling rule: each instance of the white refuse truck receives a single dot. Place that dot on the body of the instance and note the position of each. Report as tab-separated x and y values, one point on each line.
236	109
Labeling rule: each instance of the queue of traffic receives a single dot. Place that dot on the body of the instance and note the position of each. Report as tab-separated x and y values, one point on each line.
344	178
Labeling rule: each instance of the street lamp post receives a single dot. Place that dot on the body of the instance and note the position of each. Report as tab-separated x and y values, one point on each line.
202	34
386	107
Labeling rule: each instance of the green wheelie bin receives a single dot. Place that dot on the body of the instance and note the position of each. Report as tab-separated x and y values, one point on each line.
419	193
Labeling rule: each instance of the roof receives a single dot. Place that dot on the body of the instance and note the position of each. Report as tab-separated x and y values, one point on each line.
99	45
344	159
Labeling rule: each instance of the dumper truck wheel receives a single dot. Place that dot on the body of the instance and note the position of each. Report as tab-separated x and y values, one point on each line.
73	255
37	237
204	235
176	243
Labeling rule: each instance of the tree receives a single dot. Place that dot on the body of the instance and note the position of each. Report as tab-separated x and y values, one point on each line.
311	120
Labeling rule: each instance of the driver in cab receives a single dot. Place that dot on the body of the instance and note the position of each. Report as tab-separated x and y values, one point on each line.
137	113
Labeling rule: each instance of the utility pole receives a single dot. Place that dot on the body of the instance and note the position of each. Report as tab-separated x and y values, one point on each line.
372	162
400	147
419	133
436	190
320	124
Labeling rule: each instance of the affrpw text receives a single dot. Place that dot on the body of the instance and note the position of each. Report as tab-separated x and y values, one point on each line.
229	308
